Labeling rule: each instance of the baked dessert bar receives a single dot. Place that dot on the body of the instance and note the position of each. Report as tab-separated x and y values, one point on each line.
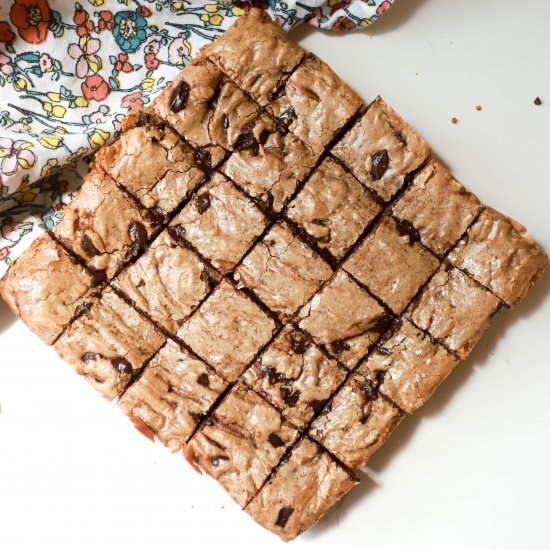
267	277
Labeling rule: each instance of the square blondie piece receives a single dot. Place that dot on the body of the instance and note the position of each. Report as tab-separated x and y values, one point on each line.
210	112
172	396
454	309
334	208
109	343
381	150
103	225
301	491
356	422
315	104
500	254
227	330
437	207
344	319
256	54
167	282
392	264
241	443
406	366
295	376
282	271
45	287
269	165
154	165
220	222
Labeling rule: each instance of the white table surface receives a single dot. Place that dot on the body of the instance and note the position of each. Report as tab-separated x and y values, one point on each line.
469	470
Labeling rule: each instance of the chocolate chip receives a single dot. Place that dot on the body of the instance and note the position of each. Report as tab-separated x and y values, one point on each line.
275	440
207	278
225	122
339	346
203	202
122	365
392	329
316	405
538	101
144	119
370	390
264	136
245	141
138	234
99	276
287	117
290	396
380	161
89	356
204	380
215	460
380	377
407	229
380	323
273	376
283	516
177	232
203	159
299	341
197	417
157	215
180	96
89	247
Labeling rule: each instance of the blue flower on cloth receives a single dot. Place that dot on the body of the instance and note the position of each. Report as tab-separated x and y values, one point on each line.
129	30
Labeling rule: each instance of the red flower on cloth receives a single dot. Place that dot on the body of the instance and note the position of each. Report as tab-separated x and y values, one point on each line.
31	17
144	11
343	23
6	34
122	63
151	61
105	20
132	101
83	23
383	7
94	87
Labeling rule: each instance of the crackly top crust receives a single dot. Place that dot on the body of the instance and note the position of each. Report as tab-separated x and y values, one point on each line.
438	207
227	330
333	207
300	492
221	222
315	104
167	282
344	318
45	286
282	271
392	264
102	225
499	253
213	111
454	309
256	54
241	443
108	343
270	165
381	149
407	367
153	164
172	396
295	376
356	422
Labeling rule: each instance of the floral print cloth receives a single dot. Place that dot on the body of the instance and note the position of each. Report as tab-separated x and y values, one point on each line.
70	71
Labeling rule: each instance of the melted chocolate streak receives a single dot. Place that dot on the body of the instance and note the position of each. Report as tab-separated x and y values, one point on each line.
304	237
